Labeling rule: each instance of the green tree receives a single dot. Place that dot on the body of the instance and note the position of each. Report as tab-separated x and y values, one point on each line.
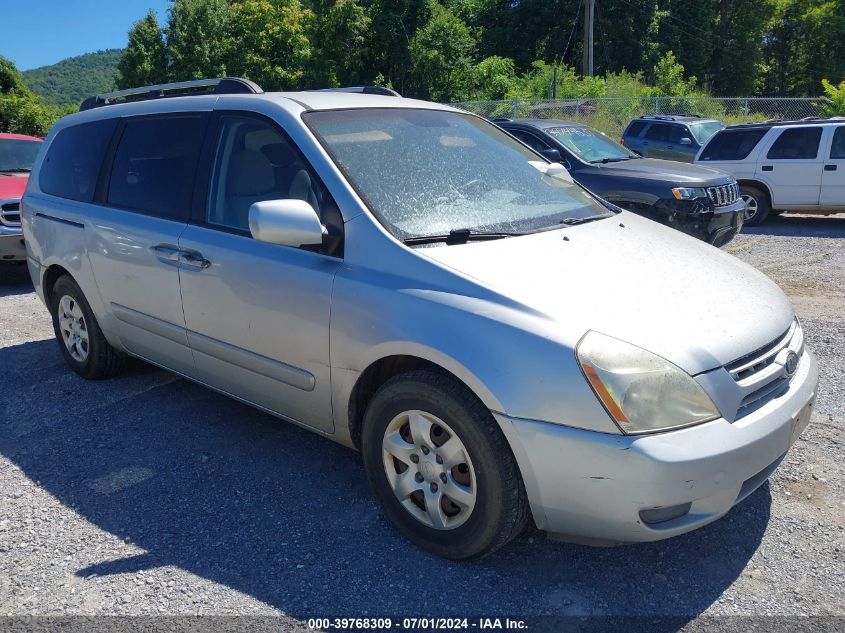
394	23
834	99
21	111
340	32
494	77
197	39
442	56
669	77
144	61
737	67
269	42
11	80
687	28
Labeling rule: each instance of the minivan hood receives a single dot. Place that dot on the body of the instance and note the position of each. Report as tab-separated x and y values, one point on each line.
665	171
636	280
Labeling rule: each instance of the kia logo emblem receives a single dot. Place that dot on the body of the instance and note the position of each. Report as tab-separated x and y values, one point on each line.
791	364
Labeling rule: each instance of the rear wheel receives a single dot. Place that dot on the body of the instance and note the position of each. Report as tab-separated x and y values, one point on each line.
757	207
80	338
440	467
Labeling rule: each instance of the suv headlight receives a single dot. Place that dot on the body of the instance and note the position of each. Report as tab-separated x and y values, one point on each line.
689	193
641	391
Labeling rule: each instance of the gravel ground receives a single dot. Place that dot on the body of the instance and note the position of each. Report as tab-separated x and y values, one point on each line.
150	495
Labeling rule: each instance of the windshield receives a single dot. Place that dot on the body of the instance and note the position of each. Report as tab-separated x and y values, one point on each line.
18	155
429	172
705	129
589	144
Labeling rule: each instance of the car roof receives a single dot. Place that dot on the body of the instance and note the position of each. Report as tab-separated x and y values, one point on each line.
18	137
676	118
543	123
766	125
335	100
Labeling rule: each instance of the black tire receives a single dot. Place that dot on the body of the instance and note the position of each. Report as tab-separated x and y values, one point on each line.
102	361
761	198
501	507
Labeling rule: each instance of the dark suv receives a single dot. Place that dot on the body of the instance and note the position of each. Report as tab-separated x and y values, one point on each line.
669	136
699	201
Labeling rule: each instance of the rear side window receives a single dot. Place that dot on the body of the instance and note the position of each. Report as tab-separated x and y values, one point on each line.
796	142
635	128
732	144
837	149
73	161
155	164
659	132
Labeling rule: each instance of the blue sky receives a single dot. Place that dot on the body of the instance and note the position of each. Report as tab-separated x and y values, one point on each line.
40	32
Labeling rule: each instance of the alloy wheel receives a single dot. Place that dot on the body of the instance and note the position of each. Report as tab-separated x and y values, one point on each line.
429	469
751	206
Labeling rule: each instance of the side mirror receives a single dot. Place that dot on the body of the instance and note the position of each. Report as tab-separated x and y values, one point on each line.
285	222
551	154
686	141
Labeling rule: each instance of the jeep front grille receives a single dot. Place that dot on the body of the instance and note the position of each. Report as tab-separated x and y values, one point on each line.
723	195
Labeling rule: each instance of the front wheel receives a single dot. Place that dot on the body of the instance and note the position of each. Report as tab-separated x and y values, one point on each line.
757	207
440	468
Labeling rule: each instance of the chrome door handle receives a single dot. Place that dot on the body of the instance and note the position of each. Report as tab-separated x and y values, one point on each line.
165	252
194	260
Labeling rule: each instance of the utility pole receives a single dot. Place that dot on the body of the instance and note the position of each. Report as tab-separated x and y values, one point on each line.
589	18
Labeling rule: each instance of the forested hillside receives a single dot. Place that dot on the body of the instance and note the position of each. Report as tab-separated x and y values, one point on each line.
490	49
71	80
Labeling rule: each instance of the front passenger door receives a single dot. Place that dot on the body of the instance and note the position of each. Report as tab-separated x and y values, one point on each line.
257	314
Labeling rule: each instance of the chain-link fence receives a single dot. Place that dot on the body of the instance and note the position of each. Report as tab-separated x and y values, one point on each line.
612	115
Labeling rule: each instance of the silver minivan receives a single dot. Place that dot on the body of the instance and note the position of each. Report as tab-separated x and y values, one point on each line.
407	279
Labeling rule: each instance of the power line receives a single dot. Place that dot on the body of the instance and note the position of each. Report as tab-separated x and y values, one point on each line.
571	33
603	39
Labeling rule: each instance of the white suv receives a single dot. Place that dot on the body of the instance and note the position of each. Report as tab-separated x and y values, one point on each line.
783	166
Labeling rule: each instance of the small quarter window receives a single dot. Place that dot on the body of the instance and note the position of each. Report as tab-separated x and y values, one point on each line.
73	161
796	143
154	165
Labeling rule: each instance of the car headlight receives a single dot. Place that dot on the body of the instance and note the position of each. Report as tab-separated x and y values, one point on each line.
689	193
641	391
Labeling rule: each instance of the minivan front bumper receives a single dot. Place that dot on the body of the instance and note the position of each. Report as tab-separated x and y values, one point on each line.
593	487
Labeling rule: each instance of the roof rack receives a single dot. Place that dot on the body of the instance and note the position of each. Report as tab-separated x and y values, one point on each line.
220	86
670	116
367	90
773	122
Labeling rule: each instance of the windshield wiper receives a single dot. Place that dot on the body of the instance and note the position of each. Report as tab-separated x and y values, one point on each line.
612	160
459	236
15	170
584	220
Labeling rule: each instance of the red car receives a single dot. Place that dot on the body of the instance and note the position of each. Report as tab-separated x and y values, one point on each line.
17	154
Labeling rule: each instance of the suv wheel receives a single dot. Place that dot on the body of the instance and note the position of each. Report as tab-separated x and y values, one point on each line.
441	470
80	338
757	206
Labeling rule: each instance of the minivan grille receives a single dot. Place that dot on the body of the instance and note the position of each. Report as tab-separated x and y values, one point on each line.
10	213
723	195
761	374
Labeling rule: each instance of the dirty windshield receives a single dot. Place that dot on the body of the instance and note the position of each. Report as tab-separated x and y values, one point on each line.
429	172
